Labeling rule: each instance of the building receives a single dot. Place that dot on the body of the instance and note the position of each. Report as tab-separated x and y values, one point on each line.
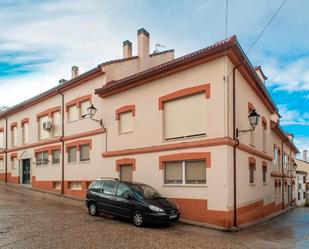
180	125
302	190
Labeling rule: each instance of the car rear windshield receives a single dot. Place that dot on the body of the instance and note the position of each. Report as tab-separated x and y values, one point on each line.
145	191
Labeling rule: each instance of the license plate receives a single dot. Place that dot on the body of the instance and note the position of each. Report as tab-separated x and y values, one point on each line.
173	216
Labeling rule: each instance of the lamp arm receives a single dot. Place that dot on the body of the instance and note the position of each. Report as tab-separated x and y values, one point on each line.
240	131
100	121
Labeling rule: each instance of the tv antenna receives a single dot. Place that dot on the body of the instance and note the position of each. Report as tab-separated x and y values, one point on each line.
158	47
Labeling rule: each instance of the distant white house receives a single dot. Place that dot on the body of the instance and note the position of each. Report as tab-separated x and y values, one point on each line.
302	181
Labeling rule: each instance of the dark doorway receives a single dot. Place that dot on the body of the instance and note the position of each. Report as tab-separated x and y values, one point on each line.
26	171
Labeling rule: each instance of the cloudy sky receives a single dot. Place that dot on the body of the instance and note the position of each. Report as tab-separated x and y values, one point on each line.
41	40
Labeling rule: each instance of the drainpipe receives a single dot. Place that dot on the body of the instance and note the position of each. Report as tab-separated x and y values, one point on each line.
235	145
282	191
290	171
6	149
62	142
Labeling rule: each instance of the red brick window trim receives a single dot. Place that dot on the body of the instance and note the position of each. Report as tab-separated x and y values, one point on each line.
252	162
49	112
13	125
24	121
13	155
48	149
264	164
125	161
1	129
1	157
264	123
123	109
185	157
78	101
79	143
185	92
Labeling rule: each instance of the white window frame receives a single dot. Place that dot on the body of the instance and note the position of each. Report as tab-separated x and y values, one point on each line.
184	174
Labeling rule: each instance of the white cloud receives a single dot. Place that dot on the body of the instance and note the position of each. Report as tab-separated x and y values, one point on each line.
302	144
292	117
290	77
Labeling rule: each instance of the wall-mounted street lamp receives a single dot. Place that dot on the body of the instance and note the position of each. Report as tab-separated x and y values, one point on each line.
254	118
294	165
91	111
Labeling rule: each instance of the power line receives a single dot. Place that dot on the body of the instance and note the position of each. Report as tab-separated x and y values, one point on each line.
226	16
266	26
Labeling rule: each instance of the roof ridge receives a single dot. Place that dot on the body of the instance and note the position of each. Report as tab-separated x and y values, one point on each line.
179	59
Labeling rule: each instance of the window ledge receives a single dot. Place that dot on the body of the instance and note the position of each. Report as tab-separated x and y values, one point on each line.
125	132
71	163
56	164
88	161
185	185
252	184
184	138
264	183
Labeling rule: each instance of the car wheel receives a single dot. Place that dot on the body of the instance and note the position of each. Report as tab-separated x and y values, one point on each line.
92	209
138	218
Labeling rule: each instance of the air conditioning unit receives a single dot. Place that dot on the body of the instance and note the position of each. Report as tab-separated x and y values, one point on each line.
47	126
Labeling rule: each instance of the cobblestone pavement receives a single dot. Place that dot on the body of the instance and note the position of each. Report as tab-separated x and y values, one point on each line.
29	221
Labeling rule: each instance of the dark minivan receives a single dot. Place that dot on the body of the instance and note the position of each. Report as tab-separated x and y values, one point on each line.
136	201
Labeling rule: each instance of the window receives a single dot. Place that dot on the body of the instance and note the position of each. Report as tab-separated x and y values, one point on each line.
72	155
195	172
13	162
304	195
83	108
56	185
84	152
275	160
304	179
1	140
55	156
25	133
42	158
14	136
298	196
285	162
56	124
264	138
185	172
72	113
251	173
96	186
185	117
126	173
1	164
264	173
123	191
125	122
109	187
42	133
75	186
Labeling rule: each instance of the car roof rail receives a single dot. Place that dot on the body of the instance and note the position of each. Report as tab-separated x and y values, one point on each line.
108	178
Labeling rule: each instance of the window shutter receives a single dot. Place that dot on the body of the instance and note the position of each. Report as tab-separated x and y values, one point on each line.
72	113
185	116
126	173
125	122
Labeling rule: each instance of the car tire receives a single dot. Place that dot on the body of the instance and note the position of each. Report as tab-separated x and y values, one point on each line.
138	219
92	209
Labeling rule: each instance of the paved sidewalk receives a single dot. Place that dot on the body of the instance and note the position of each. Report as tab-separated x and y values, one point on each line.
28	220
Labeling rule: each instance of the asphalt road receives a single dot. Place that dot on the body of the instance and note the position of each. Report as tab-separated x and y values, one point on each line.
29	221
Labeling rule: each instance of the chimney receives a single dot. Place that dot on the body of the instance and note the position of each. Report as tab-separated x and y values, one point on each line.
143	48
62	81
74	72
260	73
305	158
127	49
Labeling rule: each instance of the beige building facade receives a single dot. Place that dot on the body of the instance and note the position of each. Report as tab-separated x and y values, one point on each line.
171	123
